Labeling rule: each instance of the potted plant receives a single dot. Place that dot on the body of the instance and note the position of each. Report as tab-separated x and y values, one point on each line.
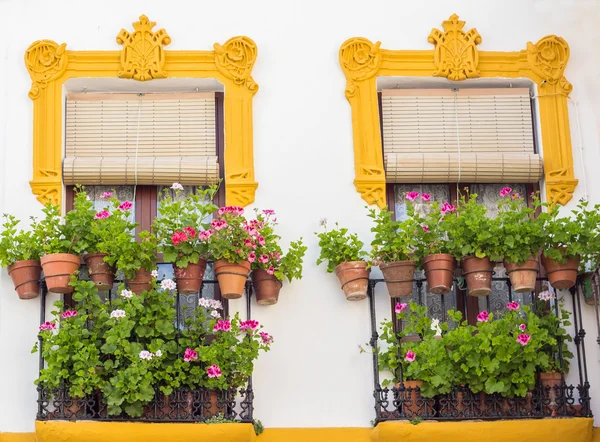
62	243
397	247
182	230
570	241
343	252
269	264
134	259
20	253
230	245
438	263
523	238
474	240
109	228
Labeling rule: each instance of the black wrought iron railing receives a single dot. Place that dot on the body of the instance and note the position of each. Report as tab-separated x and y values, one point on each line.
183	405
556	400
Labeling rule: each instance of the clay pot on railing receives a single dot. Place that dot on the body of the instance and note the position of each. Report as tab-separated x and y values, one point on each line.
478	274
189	279
142	281
58	269
266	287
399	277
25	276
409	398
101	273
232	278
354	278
561	276
439	271
523	277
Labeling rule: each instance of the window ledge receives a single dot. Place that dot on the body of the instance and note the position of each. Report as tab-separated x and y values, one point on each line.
526	430
62	431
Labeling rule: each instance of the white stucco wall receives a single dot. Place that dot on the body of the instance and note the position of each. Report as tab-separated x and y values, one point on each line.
314	376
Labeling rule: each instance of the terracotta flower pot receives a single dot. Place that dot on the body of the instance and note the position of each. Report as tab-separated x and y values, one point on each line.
551	383
142	281
399	277
25	276
58	269
189	279
561	276
478	273
523	277
354	278
439	271
410	399
266	287
176	406
208	405
101	273
232	278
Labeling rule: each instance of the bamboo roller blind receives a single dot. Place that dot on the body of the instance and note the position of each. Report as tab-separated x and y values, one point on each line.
176	141
422	129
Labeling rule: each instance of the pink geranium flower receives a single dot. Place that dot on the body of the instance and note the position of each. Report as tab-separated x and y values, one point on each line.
276	255
179	237
400	307
261	240
103	214
106	195
250	324
125	205
190	355
191	232
522	327
266	338
271	270
447	208
410	356
205	234
222	325
523	339
425	197
425	228
484	316
412	196
219	224
513	305
264	258
516	196
505	191
46	326
214	371
251	257
69	314
268	212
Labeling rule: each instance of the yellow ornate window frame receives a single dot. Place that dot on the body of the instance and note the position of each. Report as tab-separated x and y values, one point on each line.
455	56
142	58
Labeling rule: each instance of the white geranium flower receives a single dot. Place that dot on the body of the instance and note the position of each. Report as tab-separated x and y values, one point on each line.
177	186
117	314
435	326
158	353
168	284
154	273
126	294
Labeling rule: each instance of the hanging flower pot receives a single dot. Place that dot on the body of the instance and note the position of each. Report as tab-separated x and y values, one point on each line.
439	271
58	269
266	287
354	278
232	278
189	279
142	281
25	276
101	273
399	277
561	276
478	273
523	277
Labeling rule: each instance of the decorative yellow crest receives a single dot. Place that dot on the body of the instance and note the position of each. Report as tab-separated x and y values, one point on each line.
360	60
45	61
548	59
235	60
143	55
455	54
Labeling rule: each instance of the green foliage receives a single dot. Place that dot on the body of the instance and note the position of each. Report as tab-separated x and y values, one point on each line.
107	234
18	245
338	246
575	235
179	222
397	240
558	338
129	255
522	232
232	236
77	228
472	232
434	237
288	265
50	231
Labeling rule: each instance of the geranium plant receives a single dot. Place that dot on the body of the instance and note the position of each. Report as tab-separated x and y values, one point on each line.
231	235
556	347
18	245
268	254
129	255
111	226
182	227
339	246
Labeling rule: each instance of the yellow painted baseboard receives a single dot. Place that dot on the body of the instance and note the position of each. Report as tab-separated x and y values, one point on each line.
547	430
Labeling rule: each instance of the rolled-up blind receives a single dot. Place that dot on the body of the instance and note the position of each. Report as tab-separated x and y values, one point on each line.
160	138
477	135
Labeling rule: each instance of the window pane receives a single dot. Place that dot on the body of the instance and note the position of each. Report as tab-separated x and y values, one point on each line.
489	195
187	190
